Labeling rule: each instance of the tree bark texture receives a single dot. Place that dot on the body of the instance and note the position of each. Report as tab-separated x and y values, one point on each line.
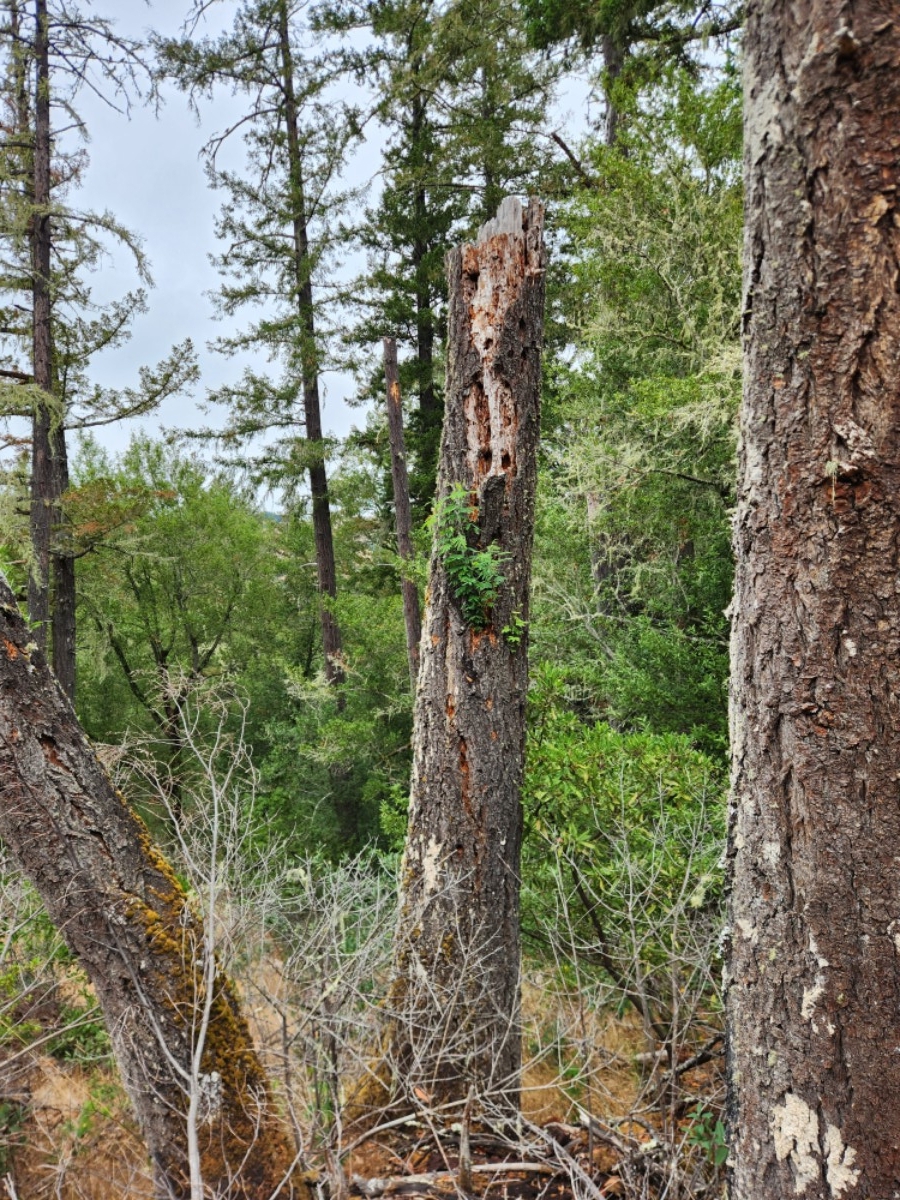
456	993
121	910
402	512
814	977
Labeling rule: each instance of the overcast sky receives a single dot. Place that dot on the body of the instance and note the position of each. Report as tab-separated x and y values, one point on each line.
146	170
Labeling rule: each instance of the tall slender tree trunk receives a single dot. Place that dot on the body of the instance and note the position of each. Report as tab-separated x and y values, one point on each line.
63	569
49	463
42	358
813	991
312	408
456	991
613	60
402	512
122	911
430	404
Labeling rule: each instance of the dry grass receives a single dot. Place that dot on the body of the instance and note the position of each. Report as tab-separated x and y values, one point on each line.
78	1141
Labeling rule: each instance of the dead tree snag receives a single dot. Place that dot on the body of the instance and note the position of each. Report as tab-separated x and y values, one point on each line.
456	994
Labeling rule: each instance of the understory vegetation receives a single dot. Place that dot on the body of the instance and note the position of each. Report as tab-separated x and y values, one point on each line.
281	796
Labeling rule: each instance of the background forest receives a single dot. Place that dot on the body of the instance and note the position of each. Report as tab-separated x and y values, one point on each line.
228	599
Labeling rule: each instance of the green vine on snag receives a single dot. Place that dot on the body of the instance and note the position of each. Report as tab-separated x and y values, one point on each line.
475	575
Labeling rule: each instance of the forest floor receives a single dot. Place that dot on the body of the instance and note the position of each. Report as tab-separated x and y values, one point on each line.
429	1165
585	1132
77	1141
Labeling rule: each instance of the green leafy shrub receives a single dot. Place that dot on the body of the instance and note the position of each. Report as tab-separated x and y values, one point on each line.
623	870
475	573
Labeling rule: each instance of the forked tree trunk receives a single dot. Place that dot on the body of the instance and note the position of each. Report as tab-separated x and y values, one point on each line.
814	985
402	513
456	992
121	910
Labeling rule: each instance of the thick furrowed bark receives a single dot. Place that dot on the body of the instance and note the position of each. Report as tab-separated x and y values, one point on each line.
814	977
124	914
456	993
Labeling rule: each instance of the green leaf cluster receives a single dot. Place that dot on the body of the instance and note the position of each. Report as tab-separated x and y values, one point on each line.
592	792
475	572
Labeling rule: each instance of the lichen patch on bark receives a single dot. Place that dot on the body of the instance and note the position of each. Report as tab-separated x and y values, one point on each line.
839	1169
810	996
795	1129
431	861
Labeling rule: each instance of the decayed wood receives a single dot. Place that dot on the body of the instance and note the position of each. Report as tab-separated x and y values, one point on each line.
430	1183
402	513
814	984
121	910
457	960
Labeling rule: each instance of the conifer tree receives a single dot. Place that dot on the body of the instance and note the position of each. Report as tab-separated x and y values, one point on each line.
51	53
407	232
465	103
273	225
626	32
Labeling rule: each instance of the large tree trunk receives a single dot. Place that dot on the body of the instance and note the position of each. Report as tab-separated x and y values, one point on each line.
456	993
814	978
121	910
402	512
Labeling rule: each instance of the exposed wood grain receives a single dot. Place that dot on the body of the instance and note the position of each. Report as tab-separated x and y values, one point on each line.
457	991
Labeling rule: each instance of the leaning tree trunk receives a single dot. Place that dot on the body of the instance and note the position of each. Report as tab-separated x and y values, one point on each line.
455	1023
814	984
121	910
